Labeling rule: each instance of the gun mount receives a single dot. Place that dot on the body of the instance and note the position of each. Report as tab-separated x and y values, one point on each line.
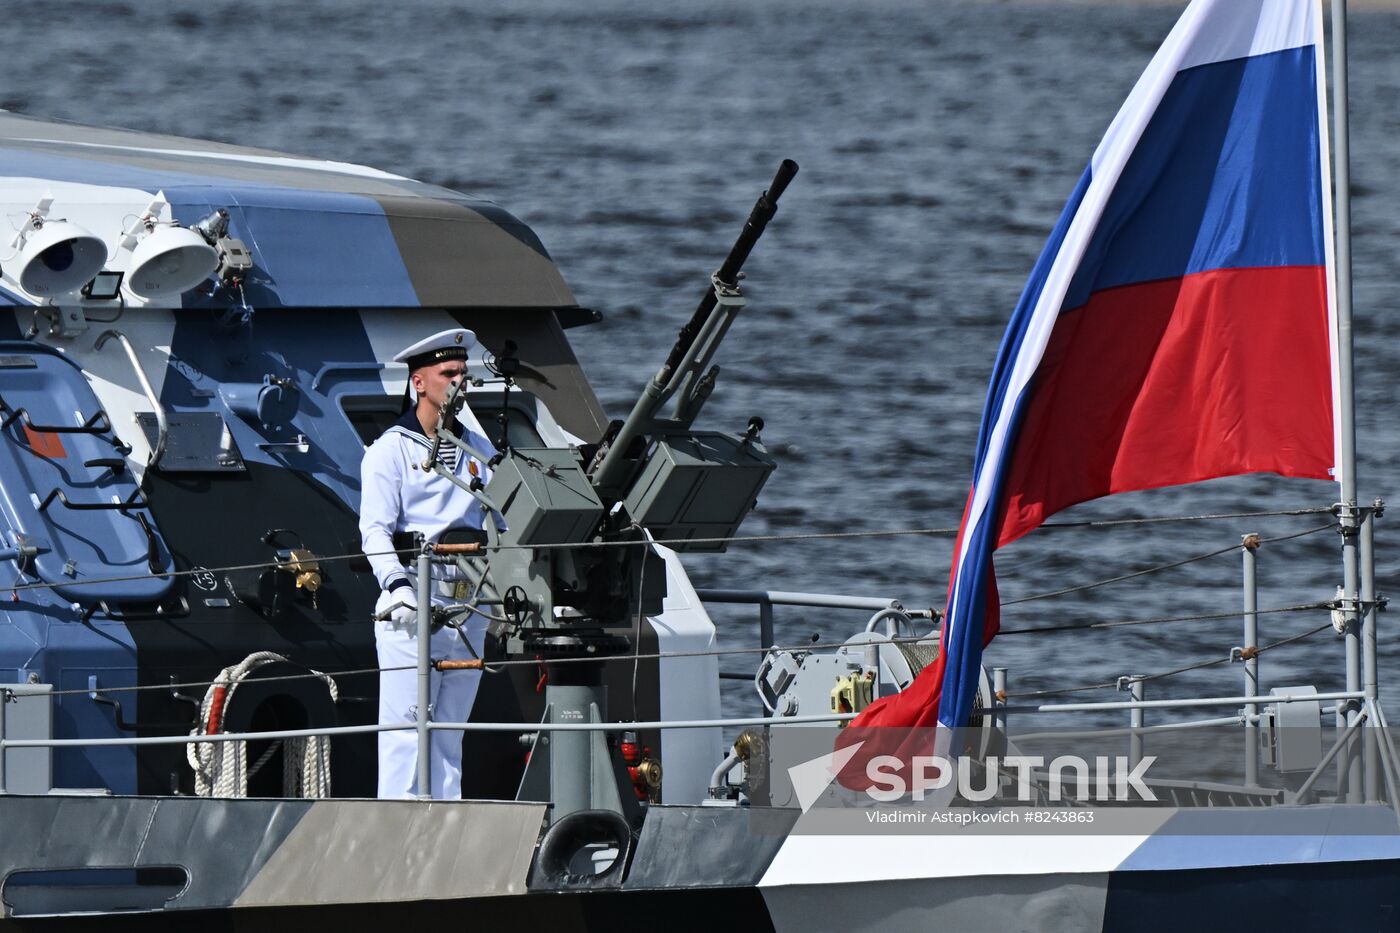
568	528
567	557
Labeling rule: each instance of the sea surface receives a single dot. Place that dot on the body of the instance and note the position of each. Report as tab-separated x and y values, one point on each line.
937	143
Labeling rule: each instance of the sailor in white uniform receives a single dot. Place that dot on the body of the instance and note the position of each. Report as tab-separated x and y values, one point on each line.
398	495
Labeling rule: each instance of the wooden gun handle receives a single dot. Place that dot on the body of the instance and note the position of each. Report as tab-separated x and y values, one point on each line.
469	548
468	664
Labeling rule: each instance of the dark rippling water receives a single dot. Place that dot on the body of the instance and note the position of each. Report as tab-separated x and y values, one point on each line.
937	141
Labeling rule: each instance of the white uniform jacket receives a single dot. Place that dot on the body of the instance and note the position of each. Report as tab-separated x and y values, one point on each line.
397	494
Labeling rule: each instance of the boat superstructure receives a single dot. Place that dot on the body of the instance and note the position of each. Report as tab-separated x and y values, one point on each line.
223	424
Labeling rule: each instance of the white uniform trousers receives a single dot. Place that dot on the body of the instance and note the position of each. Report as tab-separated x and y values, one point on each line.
451	696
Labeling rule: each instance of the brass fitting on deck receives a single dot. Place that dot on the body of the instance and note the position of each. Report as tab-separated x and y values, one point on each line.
303	565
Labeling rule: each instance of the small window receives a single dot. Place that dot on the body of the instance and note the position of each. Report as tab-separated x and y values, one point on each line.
520	427
372	415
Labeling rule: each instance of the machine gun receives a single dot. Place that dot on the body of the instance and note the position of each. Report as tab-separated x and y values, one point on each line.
651	474
695	347
566	559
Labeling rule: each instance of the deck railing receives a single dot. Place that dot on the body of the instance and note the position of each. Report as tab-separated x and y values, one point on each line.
1353	708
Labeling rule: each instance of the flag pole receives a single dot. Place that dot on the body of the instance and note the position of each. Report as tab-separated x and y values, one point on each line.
1346	402
1362	628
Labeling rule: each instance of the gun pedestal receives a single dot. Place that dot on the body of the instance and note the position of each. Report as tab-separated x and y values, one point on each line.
577	769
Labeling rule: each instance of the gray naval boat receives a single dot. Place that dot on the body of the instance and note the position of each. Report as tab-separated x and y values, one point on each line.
191	366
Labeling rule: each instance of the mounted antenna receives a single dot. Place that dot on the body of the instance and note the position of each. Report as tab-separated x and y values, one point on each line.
505	365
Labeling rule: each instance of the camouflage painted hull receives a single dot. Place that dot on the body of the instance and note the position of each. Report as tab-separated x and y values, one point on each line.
361	864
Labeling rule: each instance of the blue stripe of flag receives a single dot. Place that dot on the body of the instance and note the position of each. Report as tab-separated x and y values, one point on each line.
1193	198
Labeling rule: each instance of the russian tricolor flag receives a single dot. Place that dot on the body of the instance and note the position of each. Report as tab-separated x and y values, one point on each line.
1178	325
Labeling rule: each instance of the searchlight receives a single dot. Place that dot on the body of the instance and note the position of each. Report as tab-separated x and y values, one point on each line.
55	256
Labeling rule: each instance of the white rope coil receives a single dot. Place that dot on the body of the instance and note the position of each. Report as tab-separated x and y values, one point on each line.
221	768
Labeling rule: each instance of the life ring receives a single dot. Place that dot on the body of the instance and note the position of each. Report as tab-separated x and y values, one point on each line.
568	837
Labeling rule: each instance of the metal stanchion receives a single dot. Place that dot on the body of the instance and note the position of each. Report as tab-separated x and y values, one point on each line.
1370	751
1349	761
1251	659
425	618
4	752
999	696
1348	777
1138	691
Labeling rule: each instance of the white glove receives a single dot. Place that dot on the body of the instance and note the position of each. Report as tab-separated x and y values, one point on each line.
399	606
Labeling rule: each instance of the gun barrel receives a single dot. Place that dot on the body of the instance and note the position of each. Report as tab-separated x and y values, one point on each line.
763	211
611	471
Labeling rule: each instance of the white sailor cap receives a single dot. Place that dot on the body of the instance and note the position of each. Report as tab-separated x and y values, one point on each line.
447	345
